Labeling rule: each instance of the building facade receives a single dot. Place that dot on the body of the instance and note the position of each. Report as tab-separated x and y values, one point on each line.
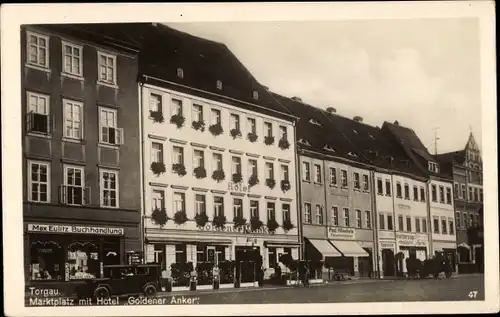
81	205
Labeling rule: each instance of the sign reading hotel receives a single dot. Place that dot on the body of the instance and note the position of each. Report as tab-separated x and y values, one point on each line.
44	228
411	240
340	232
246	229
236	187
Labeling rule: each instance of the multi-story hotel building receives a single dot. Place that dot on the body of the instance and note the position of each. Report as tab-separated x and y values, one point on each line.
465	166
218	157
81	202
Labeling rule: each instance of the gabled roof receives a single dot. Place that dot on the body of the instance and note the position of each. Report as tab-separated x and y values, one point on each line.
457	157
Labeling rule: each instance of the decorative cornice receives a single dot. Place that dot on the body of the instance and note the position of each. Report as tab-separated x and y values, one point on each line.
286	199
216	148
198	145
154	184
197	189
237	194
157	137
73	161
112	167
179	187
221	192
178	141
284	161
236	152
254	196
270	197
253	155
270	158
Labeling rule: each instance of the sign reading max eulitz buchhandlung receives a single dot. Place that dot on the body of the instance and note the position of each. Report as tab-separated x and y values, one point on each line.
33	227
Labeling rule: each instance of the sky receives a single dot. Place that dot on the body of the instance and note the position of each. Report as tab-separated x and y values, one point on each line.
424	73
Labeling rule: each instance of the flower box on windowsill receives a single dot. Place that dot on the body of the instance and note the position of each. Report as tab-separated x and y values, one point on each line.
285	185
198	125
218	176
255	224
178	120
237	178
253	180
268	140
201	219
180	217
159	216
235	133
272	225
239	221
270	183
200	172
252	137
219	221
158	168
216	129
157	116
288	225
179	169
284	144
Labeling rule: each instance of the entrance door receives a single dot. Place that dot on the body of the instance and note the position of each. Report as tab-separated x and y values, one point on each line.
478	255
212	255
388	262
247	259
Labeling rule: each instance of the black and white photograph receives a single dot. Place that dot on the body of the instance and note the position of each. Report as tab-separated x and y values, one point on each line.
252	158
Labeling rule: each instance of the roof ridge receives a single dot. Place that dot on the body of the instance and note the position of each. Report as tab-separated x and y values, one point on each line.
165	26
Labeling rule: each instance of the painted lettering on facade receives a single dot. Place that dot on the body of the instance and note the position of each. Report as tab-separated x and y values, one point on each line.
340	232
236	187
387	245
32	227
246	229
411	240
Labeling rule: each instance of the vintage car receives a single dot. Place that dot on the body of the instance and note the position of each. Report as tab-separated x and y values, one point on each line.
433	266
117	280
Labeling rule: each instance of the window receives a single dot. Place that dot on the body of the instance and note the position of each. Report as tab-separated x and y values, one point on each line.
107	67
333	176
306	172
38	119
366	186
155	103
268	129
283	133
381	220
387	187
436	224
180	253
158	200
72	59
284	172
218	206
176	107
464	192
476	194
109	188
444	226
400	223
200	205
215	117
109	132
217	159
346	217
252	125
451	226
271	212
358	219
39	182
255	95
38	49
236	165
319	215
471	220
307	213
269	170
456	188
422	194
219	85
463	255
480	194
368	220
470	193
234	121
178	155
272	257
356	180
380	189
434	167
180	73
398	190
448	195
434	193
408	223
237	207
286	212
441	194
254	209
72	192
407	191
179	202
73	119
335	216
252	168
424	225
415	193
198	158
417	224
459	219
317	173
156	152
197	113
390	223
343	178
465	219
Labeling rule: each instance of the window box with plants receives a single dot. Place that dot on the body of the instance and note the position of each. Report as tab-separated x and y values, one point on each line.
283	144
270	182
201	219
200	172
255	224
159	216
178	120
216	129
237	178
180	217
272	225
235	133
198	125
158	168
181	274
218	176
204	272
253	180
285	185
157	116
219	221
179	169
288	225
252	137
239	221
269	140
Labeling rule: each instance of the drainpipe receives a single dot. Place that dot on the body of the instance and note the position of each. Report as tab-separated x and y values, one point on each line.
429	222
142	226
395	221
298	181
375	257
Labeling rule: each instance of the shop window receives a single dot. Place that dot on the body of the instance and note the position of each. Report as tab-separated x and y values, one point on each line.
220	251
47	261
158	253
201	253
272	257
180	253
83	260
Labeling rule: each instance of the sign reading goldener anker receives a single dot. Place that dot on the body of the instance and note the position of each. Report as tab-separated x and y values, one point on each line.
411	240
341	232
46	228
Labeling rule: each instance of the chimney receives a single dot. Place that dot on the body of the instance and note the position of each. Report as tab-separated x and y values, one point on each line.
396	122
331	110
294	98
358	119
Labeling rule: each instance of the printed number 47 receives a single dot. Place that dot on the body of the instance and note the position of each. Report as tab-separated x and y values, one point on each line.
472	294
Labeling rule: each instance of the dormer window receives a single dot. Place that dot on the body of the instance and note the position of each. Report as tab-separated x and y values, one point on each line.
328	148
219	84
433	167
312	121
255	95
304	142
352	154
371	136
355	132
389	159
180	73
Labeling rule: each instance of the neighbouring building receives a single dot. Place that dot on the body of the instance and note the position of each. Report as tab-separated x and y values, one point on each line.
218	157
465	166
81	202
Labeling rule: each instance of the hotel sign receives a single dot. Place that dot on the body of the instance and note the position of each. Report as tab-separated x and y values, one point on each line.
340	232
238	187
246	229
411	240
105	231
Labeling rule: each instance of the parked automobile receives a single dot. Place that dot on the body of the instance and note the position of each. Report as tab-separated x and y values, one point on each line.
122	280
433	266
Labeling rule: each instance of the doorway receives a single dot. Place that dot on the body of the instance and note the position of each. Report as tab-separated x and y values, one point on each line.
388	263
247	263
478	255
450	254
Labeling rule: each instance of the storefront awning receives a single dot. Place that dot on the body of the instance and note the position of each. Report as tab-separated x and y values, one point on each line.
324	247
281	244
349	248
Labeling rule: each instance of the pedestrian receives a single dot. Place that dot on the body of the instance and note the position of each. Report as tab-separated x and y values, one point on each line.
306	275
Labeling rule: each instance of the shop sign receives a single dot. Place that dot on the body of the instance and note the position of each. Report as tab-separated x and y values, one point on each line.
236	187
109	231
340	232
387	245
411	240
66	271
246	229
